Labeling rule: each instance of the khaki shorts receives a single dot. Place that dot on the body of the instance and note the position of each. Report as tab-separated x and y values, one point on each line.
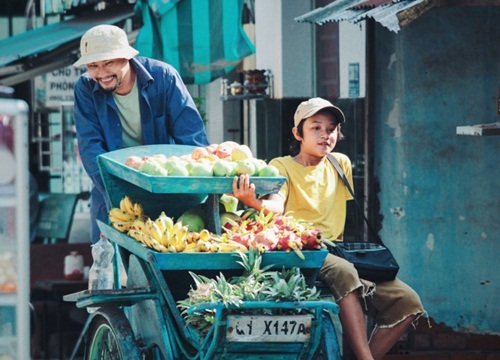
388	303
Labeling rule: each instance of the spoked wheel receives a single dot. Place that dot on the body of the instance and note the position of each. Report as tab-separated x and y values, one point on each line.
110	337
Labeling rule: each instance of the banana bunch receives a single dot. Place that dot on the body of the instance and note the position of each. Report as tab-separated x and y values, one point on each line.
204	241
163	235
123	217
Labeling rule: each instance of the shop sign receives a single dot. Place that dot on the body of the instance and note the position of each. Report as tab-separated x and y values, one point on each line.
56	87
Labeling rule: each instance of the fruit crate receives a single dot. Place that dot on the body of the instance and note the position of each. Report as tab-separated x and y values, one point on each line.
172	194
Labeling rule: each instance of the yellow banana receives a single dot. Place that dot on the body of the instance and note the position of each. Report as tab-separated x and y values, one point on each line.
148	227
118	215
160	221
215	247
157	246
139	225
136	234
155	231
203	246
138	210
233	246
122	226
169	222
180	244
191	247
166	238
230	246
204	235
127	205
181	233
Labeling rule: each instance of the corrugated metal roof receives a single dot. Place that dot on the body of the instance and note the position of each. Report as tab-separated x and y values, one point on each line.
393	14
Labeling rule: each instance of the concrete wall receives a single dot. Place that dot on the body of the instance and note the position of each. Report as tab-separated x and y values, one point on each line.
285	46
439	191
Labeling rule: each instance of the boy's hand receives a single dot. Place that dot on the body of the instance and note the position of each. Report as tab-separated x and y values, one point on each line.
244	191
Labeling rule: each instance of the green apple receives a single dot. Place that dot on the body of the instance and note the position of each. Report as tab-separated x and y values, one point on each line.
197	168
223	168
244	167
259	164
269	171
177	169
152	167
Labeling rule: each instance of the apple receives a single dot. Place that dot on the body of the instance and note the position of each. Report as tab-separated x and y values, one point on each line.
161	158
241	152
223	168
223	152
228	144
153	167
259	164
134	162
199	153
269	171
177	169
211	148
200	169
244	167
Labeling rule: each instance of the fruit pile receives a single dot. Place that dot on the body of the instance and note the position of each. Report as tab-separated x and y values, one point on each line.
163	234
225	159
257	230
269	232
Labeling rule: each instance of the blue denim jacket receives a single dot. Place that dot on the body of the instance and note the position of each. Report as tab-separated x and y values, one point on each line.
168	116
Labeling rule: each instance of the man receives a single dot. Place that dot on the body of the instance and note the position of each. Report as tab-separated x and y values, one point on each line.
123	101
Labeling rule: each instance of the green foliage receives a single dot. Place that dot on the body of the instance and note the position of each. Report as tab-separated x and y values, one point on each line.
255	284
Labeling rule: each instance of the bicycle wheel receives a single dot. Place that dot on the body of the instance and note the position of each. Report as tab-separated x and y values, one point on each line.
110	337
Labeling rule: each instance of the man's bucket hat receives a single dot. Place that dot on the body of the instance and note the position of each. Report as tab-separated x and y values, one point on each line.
104	42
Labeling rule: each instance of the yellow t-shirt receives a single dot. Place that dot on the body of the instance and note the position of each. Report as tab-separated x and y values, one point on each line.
316	194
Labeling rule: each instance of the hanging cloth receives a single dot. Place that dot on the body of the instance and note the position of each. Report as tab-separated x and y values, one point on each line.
202	39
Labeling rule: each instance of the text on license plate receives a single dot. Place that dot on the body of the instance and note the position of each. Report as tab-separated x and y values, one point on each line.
261	328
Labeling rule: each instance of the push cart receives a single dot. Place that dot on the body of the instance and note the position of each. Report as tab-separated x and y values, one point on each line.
141	320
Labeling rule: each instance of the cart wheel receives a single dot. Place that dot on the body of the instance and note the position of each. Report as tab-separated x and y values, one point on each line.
111	337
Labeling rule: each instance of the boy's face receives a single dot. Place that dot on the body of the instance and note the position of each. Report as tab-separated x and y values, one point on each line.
320	133
109	74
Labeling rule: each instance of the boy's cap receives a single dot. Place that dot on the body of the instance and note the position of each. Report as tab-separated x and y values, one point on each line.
104	42
312	106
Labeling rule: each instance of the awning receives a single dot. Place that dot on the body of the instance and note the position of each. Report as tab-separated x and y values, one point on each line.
393	14
202	39
51	47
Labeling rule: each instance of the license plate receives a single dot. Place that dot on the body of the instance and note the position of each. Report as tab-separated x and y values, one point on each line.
262	328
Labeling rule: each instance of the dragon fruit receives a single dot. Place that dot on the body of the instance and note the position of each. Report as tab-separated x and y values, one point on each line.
311	239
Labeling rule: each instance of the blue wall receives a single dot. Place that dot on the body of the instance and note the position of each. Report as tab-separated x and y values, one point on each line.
440	192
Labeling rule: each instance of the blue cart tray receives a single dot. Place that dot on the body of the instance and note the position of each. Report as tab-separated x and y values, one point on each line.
113	163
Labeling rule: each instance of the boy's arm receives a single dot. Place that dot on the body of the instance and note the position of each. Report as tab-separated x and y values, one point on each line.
244	191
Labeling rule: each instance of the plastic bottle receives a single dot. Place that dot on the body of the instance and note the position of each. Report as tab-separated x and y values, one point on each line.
101	275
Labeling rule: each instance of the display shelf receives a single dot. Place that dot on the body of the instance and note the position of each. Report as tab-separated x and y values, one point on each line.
14	233
171	194
212	261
